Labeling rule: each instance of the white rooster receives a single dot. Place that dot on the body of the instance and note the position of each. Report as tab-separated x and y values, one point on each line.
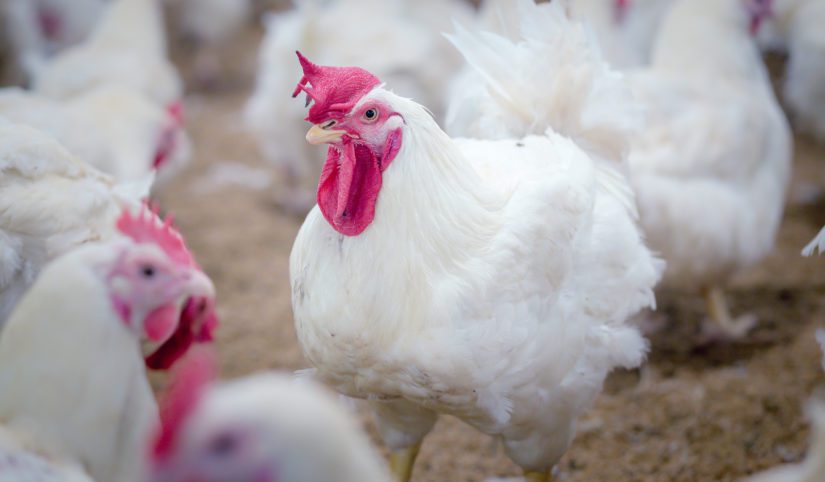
712	168
337	30
73	391
127	47
38	29
50	202
491	280
262	428
799	26
112	128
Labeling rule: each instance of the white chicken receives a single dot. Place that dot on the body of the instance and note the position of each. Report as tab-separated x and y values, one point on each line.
491	280
73	391
626	29
38	29
262	428
127	47
112	128
712	168
50	202
336	30
799	26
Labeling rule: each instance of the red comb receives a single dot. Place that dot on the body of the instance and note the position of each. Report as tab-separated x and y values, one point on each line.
189	381
147	227
335	90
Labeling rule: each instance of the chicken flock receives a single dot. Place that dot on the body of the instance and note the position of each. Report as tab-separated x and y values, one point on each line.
496	269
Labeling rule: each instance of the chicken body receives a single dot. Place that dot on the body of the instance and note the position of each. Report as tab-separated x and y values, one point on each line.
493	283
712	168
127	47
51	203
394	27
290	431
38	29
132	138
799	27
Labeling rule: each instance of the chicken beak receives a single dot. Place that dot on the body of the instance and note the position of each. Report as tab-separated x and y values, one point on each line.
319	135
198	284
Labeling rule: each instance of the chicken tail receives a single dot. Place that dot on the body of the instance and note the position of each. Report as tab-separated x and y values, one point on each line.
549	76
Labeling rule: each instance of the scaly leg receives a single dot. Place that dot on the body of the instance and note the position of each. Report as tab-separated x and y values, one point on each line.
720	314
538	476
402	462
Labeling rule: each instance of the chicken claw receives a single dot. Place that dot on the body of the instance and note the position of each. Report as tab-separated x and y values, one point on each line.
727	327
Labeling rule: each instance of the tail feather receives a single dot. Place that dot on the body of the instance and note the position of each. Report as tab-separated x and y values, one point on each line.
552	77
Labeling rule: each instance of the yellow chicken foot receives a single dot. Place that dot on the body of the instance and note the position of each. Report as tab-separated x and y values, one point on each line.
402	461
538	477
719	313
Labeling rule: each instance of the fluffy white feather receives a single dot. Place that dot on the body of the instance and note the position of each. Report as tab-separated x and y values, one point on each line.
496	279
50	203
127	47
816	245
112	128
712	167
38	29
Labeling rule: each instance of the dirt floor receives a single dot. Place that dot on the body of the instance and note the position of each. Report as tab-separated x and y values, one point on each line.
691	413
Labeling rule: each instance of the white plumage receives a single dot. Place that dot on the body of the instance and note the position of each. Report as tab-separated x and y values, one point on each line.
38	29
816	245
497	277
370	33
50	203
112	128
712	167
799	26
269	424
127	47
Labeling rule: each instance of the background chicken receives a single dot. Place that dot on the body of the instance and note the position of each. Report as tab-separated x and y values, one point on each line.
50	202
38	29
127	47
712	168
133	137
799	27
81	326
336	30
489	280
263	427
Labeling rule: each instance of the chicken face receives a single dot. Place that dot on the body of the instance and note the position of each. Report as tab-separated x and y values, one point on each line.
157	288
364	134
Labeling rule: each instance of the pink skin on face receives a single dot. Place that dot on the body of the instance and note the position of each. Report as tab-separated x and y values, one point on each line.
352	174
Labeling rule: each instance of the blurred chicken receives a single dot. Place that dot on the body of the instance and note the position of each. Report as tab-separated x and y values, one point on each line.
127	47
38	29
626	29
132	136
799	25
50	203
261	428
712	168
491	280
816	245
209	25
338	31
73	390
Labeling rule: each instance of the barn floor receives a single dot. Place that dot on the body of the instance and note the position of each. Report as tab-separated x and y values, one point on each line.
691	413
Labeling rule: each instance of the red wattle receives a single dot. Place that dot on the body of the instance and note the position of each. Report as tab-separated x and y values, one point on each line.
161	323
350	182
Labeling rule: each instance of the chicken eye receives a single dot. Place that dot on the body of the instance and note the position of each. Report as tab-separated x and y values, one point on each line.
147	271
371	114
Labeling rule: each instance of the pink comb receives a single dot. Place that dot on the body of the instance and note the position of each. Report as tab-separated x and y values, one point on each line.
335	90
189	380
146	228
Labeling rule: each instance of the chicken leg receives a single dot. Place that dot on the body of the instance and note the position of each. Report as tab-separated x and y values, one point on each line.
402	461
538	477
730	328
